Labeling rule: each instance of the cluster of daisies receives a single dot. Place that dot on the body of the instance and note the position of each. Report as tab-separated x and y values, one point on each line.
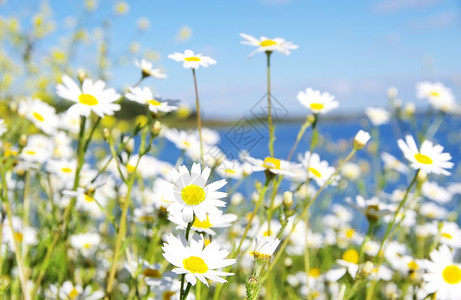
189	223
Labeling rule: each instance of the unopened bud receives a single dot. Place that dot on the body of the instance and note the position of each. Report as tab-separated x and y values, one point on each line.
106	134
81	75
392	92
361	139
156	128
367	268
129	144
22	140
287	199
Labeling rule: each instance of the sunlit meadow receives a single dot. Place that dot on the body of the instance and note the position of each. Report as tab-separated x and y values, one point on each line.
114	192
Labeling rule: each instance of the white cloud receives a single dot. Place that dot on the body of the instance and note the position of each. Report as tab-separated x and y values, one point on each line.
391	6
440	20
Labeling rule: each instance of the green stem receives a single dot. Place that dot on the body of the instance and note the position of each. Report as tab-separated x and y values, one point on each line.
199	120
269	107
186	292
301	132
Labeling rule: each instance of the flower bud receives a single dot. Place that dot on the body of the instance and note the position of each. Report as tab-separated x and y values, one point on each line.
361	139
287	199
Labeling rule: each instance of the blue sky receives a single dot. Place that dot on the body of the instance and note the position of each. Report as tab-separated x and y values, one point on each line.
352	49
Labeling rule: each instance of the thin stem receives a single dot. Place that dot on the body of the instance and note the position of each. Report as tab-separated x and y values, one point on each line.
199	120
269	106
301	132
186	292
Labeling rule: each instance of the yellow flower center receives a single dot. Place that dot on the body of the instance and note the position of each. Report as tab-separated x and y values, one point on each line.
195	264
267	43
271	163
87	245
317	106
193	194
168	295
154	102
315	172
74	293
423	159
192	58
88	198
412	265
314	272
18	236
230	171
187	144
130	168
151	273
447	235
350	233
202	224
66	170
30	152
452	274
351	256
434	94
87	99
38	116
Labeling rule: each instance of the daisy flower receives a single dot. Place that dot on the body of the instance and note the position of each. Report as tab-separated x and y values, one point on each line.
74	292
91	97
212	221
391	162
361	139
264	247
428	158
2	127
147	70
192	195
144	96
435	192
191	60
450	234
272	164
195	261
317	102
87	243
349	263
41	114
372	208
443	275
318	170
439	96
265	44
378	116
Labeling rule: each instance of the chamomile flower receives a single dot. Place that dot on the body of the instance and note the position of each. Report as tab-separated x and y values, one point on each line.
435	192
428	158
391	162
378	116
144	96
439	96
86	243
265	44
2	127
317	169
147	70
195	261
317	102
91	97
443	275
212	221
361	139
450	234
272	164
41	114
349	263
74	292
264	247
192	195
372	208
191	60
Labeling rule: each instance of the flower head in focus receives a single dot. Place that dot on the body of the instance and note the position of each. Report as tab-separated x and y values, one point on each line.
191	60
265	44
